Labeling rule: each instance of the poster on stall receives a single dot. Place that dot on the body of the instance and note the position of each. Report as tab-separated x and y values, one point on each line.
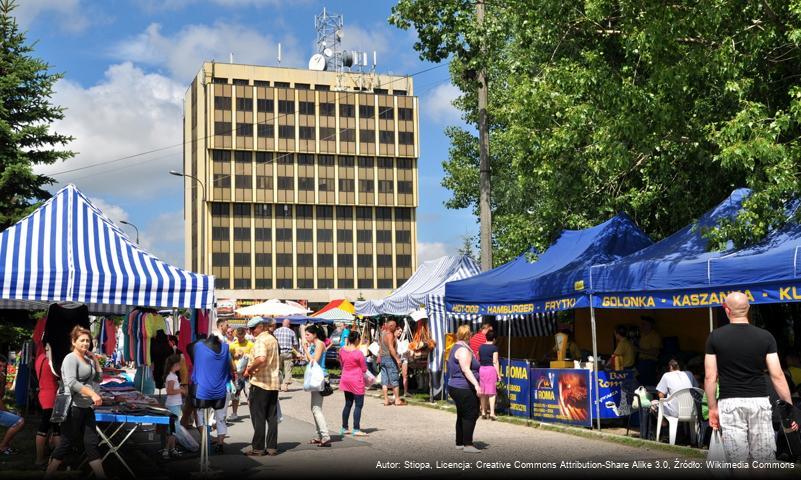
611	385
516	372
561	396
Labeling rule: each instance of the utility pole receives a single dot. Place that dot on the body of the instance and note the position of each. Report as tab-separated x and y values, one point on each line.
485	213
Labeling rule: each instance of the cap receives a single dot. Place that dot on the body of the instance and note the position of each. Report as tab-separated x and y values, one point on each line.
255	321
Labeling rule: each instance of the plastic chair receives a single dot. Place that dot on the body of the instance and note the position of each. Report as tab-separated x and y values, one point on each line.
685	401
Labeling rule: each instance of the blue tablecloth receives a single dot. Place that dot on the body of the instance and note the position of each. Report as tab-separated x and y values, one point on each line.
108	417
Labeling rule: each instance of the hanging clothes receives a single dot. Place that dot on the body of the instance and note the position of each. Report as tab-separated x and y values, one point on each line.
38	333
160	349
212	371
184	339
60	323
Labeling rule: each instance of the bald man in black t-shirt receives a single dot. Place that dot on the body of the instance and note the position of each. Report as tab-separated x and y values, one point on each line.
737	356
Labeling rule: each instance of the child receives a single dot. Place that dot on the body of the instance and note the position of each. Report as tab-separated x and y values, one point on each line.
174	401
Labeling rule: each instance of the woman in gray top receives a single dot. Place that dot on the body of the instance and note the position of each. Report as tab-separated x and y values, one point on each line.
80	374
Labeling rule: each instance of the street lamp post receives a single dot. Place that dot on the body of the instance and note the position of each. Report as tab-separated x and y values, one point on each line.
202	216
134	226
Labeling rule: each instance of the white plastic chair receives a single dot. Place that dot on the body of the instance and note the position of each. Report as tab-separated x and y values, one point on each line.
685	402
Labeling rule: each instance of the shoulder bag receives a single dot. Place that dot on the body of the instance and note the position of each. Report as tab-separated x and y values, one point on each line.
61	407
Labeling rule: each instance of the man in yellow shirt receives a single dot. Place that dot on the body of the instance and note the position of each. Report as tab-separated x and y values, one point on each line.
624	353
650	346
241	348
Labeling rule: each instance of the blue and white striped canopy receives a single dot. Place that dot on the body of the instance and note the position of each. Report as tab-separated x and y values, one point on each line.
68	251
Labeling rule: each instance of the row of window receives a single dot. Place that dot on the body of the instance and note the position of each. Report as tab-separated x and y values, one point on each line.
223	259
326	109
297	86
310	133
265	210
307	184
344	235
345	161
267	283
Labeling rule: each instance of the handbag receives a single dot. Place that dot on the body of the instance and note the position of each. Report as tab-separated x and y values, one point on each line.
327	390
369	378
374	348
61	407
716	458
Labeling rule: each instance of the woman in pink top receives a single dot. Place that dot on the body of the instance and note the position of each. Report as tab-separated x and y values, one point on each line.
352	383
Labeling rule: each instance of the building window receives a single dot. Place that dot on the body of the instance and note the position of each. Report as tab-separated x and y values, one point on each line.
306	184
221	156
222	180
302	86
240	81
219	234
281	84
406	138
367	136
284	282
405	187
384	283
346	185
325	235
347	135
222	103
306	108
344	235
283	234
364	236
286	183
244	104
386	136
220	259
325	212
241	259
306	133
222	128
305	159
286	106
385	186
242	233
384	261
366	111
327	133
383	236
366	186
403	261
323	88
264	283
325	184
303	211
327	109
241	210
345	282
265	130
345	213
383	213
366	162
244	129
386	113
244	181
286	159
263	158
365	283
345	260
242	157
286	131
264	182
325	160
364	261
325	283
403	236
345	161
283	259
405	114
380	91
219	81
384	162
262	234
325	260
264	260
364	213
220	209
305	260
403	214
263	210
347	110
305	283
265	105
399	92
222	283
305	235
405	163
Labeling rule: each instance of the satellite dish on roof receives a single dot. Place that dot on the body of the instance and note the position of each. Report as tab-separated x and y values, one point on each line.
317	62
328	52
348	58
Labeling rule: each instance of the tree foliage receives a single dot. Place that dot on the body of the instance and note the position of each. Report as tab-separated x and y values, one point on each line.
25	117
659	109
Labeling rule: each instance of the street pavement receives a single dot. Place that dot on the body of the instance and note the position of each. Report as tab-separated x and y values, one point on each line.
414	441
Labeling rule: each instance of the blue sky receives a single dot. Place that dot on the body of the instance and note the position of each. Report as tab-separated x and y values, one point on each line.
127	65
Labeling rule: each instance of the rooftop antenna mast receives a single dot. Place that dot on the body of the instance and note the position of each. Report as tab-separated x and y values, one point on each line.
329	39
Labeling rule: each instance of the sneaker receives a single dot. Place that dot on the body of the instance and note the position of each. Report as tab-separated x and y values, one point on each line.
471	449
233	418
459	447
175	453
165	454
343	431
9	451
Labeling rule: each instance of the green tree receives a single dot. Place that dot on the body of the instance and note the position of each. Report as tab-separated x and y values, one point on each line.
25	117
467	249
659	109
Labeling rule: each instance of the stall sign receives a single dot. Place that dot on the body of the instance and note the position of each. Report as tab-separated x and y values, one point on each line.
517	374
225	307
789	292
561	395
541	306
611	385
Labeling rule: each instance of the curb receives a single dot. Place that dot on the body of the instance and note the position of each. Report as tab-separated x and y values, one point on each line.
578	432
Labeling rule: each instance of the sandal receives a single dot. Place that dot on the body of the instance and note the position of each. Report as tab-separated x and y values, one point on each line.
359	433
326	443
315	441
493	418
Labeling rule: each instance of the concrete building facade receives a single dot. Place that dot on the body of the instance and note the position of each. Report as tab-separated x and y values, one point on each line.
300	184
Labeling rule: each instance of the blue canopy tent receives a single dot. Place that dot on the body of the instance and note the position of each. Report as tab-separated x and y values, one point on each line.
672	273
68	251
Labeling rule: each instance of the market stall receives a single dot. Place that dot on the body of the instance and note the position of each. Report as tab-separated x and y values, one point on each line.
337	310
70	259
555	280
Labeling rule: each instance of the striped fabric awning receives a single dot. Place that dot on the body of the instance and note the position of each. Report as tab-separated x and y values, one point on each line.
336	310
68	251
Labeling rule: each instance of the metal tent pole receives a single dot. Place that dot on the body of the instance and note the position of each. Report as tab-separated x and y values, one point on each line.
711	320
595	364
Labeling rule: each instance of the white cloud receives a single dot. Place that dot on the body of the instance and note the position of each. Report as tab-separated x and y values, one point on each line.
115	213
70	15
126	113
367	40
430	251
183	53
439	104
152	5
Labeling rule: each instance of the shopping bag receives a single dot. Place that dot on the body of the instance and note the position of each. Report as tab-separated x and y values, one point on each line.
403	347
369	378
716	458
313	378
185	439
374	348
